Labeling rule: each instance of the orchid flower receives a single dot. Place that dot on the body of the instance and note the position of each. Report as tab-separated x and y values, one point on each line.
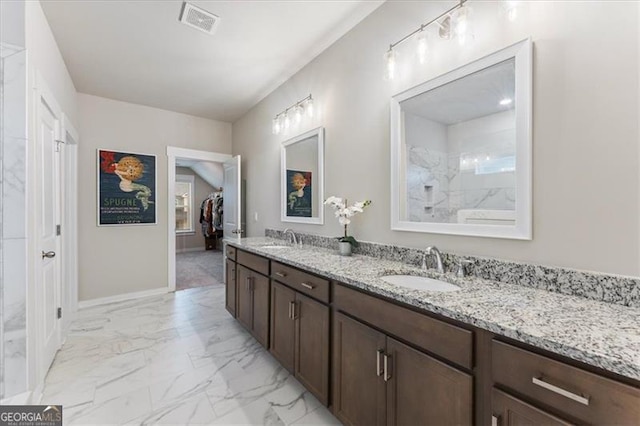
344	213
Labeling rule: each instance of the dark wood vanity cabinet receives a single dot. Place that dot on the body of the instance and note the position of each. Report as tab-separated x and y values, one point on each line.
510	411
253	303
378	362
379	380
230	284
566	392
300	338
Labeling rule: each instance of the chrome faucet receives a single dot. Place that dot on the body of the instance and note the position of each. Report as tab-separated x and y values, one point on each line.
433	250
289	231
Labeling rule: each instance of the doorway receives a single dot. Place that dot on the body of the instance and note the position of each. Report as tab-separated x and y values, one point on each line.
196	182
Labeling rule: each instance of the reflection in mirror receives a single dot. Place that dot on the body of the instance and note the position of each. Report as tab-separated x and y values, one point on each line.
302	178
461	150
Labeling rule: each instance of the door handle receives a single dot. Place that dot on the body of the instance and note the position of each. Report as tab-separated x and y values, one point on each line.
387	374
495	420
378	366
538	381
48	254
291	309
295	314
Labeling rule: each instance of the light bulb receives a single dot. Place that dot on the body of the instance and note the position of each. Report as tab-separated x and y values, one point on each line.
422	46
510	9
390	69
297	114
309	107
276	125
462	25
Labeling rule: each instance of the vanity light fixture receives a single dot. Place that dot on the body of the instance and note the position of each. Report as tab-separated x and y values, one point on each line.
282	121
453	22
510	10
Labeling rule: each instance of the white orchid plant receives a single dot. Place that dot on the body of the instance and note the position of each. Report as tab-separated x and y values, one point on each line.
344	215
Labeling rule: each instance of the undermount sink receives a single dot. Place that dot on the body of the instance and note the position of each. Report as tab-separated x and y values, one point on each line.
419	283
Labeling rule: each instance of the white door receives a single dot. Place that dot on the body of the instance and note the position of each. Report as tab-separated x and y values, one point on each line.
49	218
232	199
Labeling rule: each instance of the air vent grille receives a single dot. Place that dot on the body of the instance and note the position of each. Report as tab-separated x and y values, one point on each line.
199	19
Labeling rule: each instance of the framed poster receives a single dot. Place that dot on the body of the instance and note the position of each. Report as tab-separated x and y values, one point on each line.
299	200
126	188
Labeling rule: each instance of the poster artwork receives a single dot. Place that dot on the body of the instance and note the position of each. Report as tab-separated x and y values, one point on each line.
126	188
299	201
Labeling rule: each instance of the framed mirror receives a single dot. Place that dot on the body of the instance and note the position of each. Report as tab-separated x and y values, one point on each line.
461	150
302	178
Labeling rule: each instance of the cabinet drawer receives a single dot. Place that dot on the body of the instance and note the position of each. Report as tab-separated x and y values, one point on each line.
446	340
230	252
582	395
252	261
303	282
510	411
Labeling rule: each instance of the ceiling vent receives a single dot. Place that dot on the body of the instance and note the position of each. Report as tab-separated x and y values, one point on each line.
199	19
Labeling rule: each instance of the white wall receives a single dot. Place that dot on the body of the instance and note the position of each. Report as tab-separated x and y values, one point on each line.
117	260
201	190
585	149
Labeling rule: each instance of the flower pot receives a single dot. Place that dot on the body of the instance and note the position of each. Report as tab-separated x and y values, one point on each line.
345	248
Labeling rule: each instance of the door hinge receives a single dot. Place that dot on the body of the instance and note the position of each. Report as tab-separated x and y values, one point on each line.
58	230
59	313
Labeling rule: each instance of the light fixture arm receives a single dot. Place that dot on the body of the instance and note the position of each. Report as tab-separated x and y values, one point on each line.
424	26
300	102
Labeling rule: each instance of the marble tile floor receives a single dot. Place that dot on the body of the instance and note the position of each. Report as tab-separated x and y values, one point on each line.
175	359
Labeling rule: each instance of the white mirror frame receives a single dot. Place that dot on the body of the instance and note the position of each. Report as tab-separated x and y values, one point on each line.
318	181
522	230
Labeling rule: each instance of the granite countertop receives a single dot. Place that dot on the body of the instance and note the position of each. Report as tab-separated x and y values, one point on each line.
601	334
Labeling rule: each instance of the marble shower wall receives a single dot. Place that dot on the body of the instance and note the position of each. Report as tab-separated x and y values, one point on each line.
465	165
13	241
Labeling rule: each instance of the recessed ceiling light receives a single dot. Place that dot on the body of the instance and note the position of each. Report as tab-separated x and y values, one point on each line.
506	101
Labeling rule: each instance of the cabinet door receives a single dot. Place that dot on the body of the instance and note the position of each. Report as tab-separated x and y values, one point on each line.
282	339
358	388
312	346
260	287
230	284
424	391
509	411
245	297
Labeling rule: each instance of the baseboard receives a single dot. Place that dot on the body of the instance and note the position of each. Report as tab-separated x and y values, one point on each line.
20	399
122	297
189	250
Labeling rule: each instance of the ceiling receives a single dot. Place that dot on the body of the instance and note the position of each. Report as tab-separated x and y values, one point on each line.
473	96
139	52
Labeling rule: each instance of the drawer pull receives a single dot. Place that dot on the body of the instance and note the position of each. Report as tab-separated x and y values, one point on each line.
387	373
578	398
379	352
281	274
307	285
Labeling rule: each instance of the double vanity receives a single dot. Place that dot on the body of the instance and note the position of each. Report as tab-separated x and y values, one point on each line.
385	342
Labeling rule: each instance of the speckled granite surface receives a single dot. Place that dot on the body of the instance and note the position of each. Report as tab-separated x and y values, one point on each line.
602	287
604	335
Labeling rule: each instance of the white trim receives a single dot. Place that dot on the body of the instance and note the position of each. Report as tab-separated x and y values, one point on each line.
121	297
192	154
319	180
69	302
191	250
522	230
